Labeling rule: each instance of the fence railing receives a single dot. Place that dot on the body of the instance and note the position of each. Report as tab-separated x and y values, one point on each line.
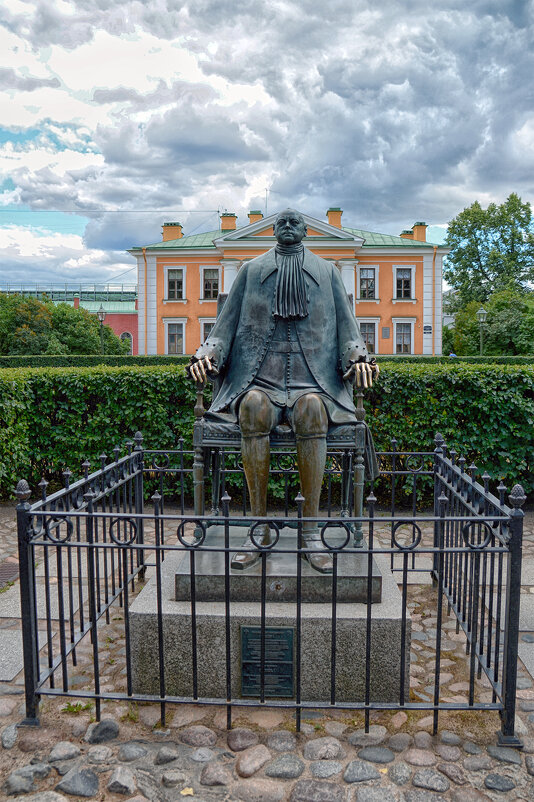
96	547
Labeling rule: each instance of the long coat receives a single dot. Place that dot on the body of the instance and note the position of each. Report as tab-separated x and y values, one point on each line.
329	336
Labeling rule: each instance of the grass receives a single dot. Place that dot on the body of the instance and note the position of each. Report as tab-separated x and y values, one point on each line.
75	708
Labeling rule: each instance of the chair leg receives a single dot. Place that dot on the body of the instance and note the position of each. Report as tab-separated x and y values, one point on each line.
198	484
216	482
359	478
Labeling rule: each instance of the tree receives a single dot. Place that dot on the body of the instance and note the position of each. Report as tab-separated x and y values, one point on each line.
509	328
33	326
491	249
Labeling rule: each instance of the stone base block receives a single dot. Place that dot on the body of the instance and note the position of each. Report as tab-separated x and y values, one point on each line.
316	643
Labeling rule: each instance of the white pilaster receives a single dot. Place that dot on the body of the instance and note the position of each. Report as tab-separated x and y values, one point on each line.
427	303
230	268
152	320
348	275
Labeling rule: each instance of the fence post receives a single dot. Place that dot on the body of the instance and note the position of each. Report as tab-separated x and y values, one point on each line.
438	455
507	736
139	499
27	605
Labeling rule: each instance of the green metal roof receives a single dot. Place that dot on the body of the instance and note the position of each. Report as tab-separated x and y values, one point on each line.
109	306
372	240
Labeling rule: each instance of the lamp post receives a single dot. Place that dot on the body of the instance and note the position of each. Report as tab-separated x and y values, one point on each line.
481	315
101	315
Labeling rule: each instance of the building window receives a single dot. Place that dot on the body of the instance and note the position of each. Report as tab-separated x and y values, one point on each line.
175	338
403	338
404	282
367	283
210	283
128	337
175	284
207	326
368	331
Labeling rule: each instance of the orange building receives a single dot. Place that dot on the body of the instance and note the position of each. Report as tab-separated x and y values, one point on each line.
395	282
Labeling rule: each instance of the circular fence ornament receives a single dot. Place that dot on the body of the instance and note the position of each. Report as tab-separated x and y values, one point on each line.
199	535
482	543
265	546
336	525
416	535
53	525
116	538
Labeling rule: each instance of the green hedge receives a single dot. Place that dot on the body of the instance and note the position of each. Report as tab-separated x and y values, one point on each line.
52	418
78	361
447	360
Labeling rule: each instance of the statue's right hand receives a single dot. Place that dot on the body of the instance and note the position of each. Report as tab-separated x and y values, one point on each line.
202	369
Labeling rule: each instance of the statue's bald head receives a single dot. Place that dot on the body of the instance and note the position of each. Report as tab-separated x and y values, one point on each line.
289	227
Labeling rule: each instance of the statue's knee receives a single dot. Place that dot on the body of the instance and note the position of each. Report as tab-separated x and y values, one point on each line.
255	413
309	416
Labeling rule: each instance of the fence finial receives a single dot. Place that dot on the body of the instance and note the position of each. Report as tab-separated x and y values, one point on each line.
23	491
138	437
517	496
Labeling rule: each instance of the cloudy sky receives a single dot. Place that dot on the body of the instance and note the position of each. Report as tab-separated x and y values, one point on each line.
118	115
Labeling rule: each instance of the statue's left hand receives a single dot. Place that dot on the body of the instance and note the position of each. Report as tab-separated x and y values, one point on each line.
362	373
202	369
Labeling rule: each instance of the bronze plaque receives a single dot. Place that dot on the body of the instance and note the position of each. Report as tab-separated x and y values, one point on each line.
279	661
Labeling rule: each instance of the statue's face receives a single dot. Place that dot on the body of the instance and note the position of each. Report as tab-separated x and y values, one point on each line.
289	227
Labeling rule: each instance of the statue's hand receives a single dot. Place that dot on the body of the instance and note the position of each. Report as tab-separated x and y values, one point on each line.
203	369
362	373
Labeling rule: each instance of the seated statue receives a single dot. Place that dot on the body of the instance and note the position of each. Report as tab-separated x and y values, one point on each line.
289	349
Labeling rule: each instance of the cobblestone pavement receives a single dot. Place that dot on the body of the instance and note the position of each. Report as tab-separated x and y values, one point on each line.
129	756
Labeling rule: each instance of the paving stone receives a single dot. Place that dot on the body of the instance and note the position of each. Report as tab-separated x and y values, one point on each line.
504	754
122	781
64	766
285	767
7	706
450	738
450	753
198	735
99	754
17	783
335	728
471	748
431	780
103	731
251	760
422	740
527	638
326	748
529	763
35	770
317	791
202	755
377	754
49	796
453	772
376	735
398	719
215	774
79	782
477	763
241	738
131	751
9	736
164	755
259	791
34	739
64	750
420	757
468	795
323	769
523	683
526	705
498	782
282	741
172	778
382	794
422	796
358	771
400	773
400	741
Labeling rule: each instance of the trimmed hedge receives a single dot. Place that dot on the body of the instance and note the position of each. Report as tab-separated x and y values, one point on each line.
88	360
53	418
448	360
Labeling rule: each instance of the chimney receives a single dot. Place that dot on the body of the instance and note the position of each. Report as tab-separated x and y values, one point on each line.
407	233
172	231
334	216
419	231
228	221
254	216
76	300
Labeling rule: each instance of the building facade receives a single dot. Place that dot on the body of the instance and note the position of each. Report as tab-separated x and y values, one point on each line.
395	282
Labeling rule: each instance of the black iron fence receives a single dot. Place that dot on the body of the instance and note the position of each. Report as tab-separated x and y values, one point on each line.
94	554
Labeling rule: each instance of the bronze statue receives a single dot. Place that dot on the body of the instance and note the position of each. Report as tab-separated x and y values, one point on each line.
289	350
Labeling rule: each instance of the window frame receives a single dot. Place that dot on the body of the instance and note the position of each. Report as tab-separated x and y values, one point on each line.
395	321
375	322
166	299
167	321
411	298
203	269
359	298
130	336
203	321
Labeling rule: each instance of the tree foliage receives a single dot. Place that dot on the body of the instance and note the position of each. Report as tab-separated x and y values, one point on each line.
491	249
33	326
509	328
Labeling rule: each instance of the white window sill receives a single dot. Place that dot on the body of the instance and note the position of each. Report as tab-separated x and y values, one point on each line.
367	300
175	300
207	300
404	301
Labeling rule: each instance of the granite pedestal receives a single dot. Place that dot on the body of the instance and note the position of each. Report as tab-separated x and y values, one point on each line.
281	611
